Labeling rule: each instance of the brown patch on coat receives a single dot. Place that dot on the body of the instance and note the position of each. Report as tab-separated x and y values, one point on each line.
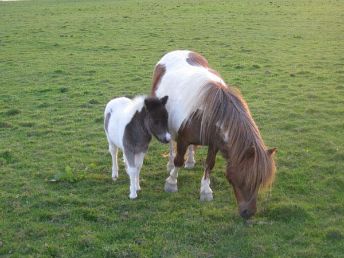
158	73
196	59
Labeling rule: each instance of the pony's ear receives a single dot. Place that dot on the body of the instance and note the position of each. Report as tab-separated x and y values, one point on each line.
249	153
164	100
271	151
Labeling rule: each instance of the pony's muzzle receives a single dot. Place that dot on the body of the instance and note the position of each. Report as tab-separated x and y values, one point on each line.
247	213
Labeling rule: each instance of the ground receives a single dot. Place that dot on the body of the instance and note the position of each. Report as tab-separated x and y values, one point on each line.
62	61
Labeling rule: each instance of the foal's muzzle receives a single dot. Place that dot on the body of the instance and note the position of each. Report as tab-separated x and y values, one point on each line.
166	138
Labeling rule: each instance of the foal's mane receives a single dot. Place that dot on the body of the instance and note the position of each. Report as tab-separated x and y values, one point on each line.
225	111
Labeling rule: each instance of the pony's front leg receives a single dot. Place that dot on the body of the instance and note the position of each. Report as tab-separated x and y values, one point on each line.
171	181
206	194
114	151
190	161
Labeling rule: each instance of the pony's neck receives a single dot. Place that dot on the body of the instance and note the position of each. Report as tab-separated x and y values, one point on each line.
242	134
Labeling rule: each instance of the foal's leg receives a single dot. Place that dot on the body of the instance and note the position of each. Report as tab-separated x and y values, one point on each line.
133	165
132	172
190	162
139	161
206	194
170	164
171	181
114	151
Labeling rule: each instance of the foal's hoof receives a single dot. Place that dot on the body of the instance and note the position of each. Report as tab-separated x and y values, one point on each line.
132	196
189	165
114	178
206	197
170	188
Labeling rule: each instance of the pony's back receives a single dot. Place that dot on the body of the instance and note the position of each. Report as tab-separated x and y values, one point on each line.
182	80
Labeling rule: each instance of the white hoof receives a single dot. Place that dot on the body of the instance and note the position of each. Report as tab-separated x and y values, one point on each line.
189	165
114	178
133	196
206	197
170	188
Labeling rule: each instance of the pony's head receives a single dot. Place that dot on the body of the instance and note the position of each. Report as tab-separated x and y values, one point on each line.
255	169
157	118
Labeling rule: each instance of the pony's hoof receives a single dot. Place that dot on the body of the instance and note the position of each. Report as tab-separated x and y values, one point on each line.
171	188
206	197
189	165
132	196
114	178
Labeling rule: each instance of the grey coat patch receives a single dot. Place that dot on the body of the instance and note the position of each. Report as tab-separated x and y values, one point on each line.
136	136
106	122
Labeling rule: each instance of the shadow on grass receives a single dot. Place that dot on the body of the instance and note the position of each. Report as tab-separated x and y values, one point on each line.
287	213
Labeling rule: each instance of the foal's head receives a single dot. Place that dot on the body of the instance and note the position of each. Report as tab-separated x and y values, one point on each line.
254	170
157	118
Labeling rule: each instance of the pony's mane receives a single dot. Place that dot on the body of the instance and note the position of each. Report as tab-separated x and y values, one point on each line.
137	104
224	110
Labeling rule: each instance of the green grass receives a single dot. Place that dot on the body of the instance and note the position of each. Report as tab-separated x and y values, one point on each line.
61	61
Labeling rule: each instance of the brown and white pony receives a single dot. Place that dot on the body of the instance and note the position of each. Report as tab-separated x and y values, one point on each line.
204	110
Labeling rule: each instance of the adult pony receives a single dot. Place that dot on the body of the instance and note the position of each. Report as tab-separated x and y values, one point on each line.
204	110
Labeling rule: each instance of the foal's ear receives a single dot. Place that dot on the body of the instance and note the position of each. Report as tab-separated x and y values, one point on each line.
149	104
271	151
164	100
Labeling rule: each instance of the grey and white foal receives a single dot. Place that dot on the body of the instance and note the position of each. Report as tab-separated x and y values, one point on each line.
129	126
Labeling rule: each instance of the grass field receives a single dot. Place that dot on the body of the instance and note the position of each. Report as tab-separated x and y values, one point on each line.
61	61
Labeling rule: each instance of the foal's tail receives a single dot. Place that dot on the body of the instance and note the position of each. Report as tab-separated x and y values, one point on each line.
107	117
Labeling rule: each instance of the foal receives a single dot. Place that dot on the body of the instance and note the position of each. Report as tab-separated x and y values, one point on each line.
129	125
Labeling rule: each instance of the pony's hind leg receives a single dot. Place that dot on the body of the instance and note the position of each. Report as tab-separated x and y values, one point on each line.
170	164
206	194
190	161
171	181
114	151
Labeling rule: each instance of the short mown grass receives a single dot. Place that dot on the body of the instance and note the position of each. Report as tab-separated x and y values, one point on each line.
62	61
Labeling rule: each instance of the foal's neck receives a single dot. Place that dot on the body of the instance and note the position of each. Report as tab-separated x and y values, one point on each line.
136	134
143	122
